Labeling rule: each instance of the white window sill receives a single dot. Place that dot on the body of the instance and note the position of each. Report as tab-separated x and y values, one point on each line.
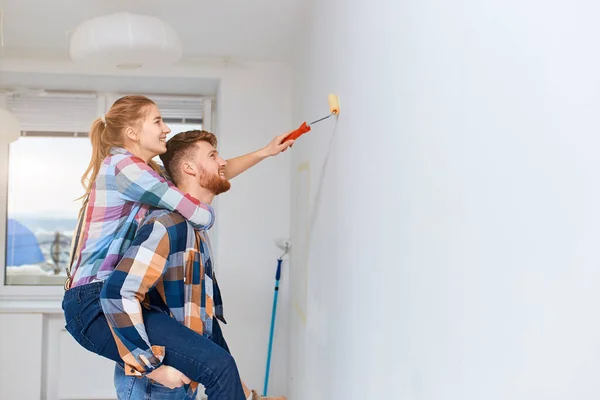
30	307
31	299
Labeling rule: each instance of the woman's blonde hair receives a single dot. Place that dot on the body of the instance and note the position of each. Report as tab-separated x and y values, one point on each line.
109	131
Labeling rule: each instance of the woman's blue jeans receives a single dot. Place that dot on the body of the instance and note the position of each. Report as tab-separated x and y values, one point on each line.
194	355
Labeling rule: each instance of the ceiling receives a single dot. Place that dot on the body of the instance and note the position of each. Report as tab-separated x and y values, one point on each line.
258	30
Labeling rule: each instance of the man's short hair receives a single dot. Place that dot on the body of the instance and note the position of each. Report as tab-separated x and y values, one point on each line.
180	147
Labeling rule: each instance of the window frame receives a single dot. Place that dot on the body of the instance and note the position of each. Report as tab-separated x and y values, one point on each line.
47	298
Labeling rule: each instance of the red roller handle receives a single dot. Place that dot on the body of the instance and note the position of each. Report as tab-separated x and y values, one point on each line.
298	132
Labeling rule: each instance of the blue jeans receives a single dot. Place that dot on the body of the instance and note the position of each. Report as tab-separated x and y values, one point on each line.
194	355
133	388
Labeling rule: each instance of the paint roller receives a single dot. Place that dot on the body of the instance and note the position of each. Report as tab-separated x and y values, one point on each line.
334	109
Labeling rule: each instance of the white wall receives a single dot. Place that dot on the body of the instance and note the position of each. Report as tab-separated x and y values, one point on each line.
253	105
17	358
454	255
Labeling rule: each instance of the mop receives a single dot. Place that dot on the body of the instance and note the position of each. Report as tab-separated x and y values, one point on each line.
273	313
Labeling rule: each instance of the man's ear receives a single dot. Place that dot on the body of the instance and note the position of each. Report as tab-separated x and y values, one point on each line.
188	168
131	133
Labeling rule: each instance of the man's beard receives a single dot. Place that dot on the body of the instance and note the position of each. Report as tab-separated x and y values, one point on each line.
213	182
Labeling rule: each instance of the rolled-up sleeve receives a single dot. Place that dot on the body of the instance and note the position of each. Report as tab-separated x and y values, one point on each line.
123	292
136	181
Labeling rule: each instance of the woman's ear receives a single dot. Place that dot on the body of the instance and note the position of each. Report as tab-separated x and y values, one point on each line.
131	134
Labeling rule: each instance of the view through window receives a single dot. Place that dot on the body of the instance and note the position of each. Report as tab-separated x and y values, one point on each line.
43	186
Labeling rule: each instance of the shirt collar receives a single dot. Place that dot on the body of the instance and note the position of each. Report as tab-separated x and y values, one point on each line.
119	150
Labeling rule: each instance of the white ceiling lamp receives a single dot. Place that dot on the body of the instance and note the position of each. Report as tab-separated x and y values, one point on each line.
9	126
125	41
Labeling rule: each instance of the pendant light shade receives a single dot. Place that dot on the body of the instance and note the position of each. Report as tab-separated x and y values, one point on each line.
125	41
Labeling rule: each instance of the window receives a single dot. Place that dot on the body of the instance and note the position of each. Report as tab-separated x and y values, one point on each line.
43	185
44	172
178	128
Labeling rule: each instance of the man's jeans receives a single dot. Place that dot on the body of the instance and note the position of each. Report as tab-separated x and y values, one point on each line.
133	388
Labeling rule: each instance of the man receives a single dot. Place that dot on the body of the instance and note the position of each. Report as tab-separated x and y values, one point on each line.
169	269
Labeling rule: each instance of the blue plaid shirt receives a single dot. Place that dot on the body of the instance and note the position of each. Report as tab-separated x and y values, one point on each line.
168	267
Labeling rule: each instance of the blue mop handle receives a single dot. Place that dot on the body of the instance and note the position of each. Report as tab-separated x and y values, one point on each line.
277	276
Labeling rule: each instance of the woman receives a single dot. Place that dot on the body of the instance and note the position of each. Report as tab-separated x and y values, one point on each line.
122	183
